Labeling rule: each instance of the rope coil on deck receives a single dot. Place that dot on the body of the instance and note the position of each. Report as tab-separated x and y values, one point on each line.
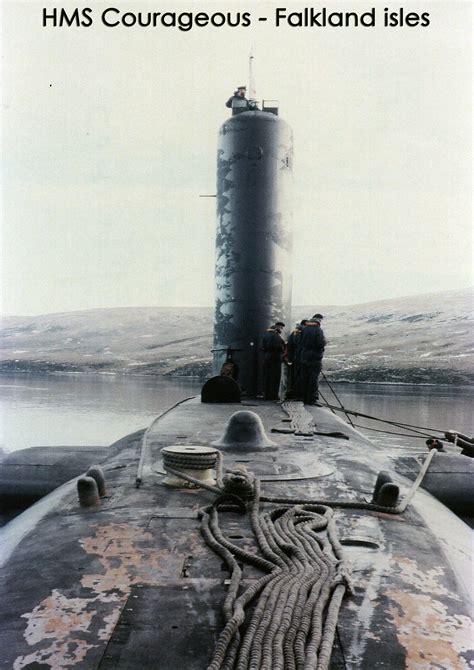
187	459
145	447
343	504
192	467
287	618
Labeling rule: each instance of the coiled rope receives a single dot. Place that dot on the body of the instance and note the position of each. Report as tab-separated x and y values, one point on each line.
194	461
145	441
287	618
173	465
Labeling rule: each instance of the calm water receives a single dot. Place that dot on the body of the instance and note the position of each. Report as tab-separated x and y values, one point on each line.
96	410
90	410
443	408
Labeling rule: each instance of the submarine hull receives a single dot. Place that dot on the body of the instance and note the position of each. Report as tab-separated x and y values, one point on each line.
131	582
254	240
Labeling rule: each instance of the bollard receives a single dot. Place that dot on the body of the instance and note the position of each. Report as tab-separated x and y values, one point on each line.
388	495
96	472
383	477
87	491
245	431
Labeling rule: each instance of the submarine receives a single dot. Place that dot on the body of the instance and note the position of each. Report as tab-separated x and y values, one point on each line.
233	531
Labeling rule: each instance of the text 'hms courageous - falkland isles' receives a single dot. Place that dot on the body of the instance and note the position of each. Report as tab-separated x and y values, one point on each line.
305	17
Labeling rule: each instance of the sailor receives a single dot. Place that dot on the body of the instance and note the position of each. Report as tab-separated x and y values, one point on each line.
312	343
293	357
238	101
284	391
273	346
229	367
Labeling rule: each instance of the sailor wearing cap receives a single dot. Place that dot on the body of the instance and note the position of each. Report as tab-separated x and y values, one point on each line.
273	346
312	342
294	354
238	101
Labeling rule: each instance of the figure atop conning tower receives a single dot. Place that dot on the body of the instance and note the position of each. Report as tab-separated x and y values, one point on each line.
238	101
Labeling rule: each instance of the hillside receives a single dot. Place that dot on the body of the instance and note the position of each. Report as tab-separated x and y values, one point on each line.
421	339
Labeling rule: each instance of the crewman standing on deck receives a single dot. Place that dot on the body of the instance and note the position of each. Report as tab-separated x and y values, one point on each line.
273	346
293	354
312	343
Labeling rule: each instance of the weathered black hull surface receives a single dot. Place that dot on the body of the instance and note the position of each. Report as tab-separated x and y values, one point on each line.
130	583
28	475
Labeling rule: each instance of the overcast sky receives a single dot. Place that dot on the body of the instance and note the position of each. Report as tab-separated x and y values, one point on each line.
110	135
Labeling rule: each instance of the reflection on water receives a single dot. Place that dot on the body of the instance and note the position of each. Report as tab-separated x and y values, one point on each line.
53	410
92	410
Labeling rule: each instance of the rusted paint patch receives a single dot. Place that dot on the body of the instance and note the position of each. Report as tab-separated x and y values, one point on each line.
424	580
71	625
123	554
60	619
431	636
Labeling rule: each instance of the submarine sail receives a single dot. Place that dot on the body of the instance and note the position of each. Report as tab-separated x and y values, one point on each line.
253	240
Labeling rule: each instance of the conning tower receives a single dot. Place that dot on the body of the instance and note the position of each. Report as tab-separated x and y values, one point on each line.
254	240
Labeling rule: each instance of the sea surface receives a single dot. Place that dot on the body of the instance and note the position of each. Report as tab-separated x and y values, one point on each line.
96	410
431	410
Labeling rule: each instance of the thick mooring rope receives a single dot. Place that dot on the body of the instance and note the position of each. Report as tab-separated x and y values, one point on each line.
359	504
343	504
191	460
287	618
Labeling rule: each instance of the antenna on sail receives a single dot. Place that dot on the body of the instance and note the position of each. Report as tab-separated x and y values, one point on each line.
252	86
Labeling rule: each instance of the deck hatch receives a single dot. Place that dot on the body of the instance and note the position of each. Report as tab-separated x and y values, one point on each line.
167	627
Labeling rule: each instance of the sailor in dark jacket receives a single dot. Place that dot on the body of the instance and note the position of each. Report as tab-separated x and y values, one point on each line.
312	343
273	346
293	349
238	101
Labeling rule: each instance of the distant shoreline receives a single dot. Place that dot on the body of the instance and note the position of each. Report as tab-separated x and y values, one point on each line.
421	340
335	377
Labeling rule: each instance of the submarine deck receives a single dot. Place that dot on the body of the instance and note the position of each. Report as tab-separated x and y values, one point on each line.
130	583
